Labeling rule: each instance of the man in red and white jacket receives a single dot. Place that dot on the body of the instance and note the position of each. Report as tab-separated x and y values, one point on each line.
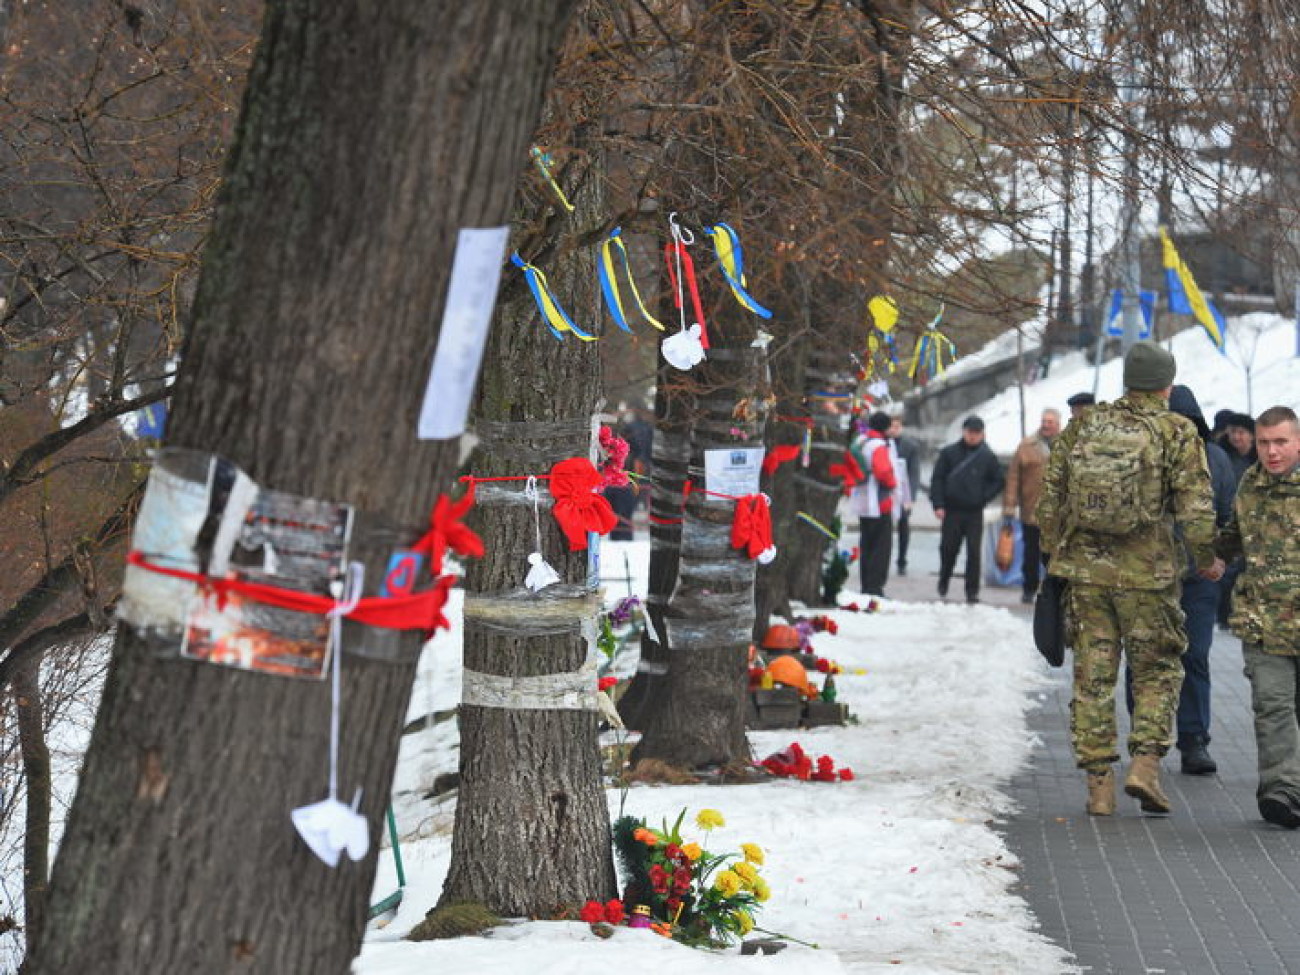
872	502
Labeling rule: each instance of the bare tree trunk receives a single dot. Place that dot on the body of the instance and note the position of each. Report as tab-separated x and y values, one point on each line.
36	771
370	135
532	823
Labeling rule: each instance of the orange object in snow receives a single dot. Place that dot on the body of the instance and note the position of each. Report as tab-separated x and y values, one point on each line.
788	671
781	637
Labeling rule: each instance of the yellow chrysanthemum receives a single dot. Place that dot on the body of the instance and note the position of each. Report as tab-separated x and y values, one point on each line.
746	871
746	923
709	819
761	890
728	883
692	851
753	852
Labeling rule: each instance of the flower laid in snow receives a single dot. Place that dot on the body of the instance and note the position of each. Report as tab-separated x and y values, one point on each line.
699	898
795	763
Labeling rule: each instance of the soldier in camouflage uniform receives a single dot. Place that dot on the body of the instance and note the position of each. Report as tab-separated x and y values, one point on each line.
1265	527
1124	577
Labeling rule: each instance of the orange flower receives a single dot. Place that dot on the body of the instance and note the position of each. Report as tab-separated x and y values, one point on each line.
644	835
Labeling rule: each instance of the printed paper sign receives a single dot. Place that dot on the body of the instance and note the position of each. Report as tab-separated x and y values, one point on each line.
290	543
203	515
471	296
733	470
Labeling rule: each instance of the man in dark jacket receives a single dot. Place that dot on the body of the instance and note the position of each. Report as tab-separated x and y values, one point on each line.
966	477
1200	598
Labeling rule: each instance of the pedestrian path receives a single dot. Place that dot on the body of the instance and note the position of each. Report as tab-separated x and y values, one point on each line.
1210	889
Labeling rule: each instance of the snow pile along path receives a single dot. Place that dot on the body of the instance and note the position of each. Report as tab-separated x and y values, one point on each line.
898	870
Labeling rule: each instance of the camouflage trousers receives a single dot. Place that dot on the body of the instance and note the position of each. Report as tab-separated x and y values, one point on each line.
1147	625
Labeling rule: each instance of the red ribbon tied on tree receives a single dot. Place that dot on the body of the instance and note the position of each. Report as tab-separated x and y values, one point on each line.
577	507
778	455
849	472
447	531
751	527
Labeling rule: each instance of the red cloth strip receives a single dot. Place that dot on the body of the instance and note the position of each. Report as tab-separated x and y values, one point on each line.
413	611
671	251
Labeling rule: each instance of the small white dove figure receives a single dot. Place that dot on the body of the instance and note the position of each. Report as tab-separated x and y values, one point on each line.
541	574
684	350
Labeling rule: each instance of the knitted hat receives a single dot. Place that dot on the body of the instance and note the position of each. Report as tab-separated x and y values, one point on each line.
972	422
1148	367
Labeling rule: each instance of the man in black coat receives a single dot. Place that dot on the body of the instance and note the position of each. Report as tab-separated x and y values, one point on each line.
966	477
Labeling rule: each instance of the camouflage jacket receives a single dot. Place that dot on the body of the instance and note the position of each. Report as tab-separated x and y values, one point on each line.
1265	528
1149	558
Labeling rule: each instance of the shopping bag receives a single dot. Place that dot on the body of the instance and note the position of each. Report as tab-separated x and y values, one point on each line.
1049	620
1005	552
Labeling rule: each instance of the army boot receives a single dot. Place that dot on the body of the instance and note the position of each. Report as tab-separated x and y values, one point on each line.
1101	793
1143	784
1196	758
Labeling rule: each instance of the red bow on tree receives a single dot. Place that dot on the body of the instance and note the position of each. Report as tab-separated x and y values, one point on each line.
778	455
578	508
446	531
849	472
751	525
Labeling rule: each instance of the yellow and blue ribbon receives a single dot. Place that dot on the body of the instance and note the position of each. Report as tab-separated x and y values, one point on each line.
609	282
930	350
732	261
543	161
556	318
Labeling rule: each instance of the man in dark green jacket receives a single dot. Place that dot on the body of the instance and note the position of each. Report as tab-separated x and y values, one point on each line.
1265	528
1118	479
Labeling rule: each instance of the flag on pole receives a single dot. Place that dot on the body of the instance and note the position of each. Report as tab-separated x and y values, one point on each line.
1185	297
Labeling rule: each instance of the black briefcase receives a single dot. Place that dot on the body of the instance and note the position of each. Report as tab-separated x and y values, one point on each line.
1049	620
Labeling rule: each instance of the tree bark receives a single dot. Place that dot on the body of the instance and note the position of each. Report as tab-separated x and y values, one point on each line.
671	453
369	136
700	719
532	823
36	771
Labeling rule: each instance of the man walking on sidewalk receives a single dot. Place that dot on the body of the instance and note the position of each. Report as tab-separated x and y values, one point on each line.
966	477
1024	485
1118	480
909	453
1265	527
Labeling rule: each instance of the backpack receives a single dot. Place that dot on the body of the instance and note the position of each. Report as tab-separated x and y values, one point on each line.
1116	483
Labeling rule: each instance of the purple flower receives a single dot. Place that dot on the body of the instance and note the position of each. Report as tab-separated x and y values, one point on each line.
621	614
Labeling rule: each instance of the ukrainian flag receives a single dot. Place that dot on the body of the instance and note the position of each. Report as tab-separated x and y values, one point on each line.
1185	297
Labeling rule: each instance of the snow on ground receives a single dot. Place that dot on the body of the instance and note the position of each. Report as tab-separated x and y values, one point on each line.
898	870
1264	342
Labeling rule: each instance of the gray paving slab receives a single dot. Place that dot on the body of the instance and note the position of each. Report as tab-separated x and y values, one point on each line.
1210	889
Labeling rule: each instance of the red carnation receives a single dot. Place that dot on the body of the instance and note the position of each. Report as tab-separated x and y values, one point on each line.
846	775
605	683
592	912
659	879
614	912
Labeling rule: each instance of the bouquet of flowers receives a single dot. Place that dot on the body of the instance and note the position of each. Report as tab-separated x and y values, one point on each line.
795	763
696	897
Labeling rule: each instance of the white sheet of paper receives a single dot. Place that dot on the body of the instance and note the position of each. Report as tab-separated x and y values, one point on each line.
733	470
471	296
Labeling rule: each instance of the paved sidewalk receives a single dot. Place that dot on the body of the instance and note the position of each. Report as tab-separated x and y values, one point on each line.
1210	889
